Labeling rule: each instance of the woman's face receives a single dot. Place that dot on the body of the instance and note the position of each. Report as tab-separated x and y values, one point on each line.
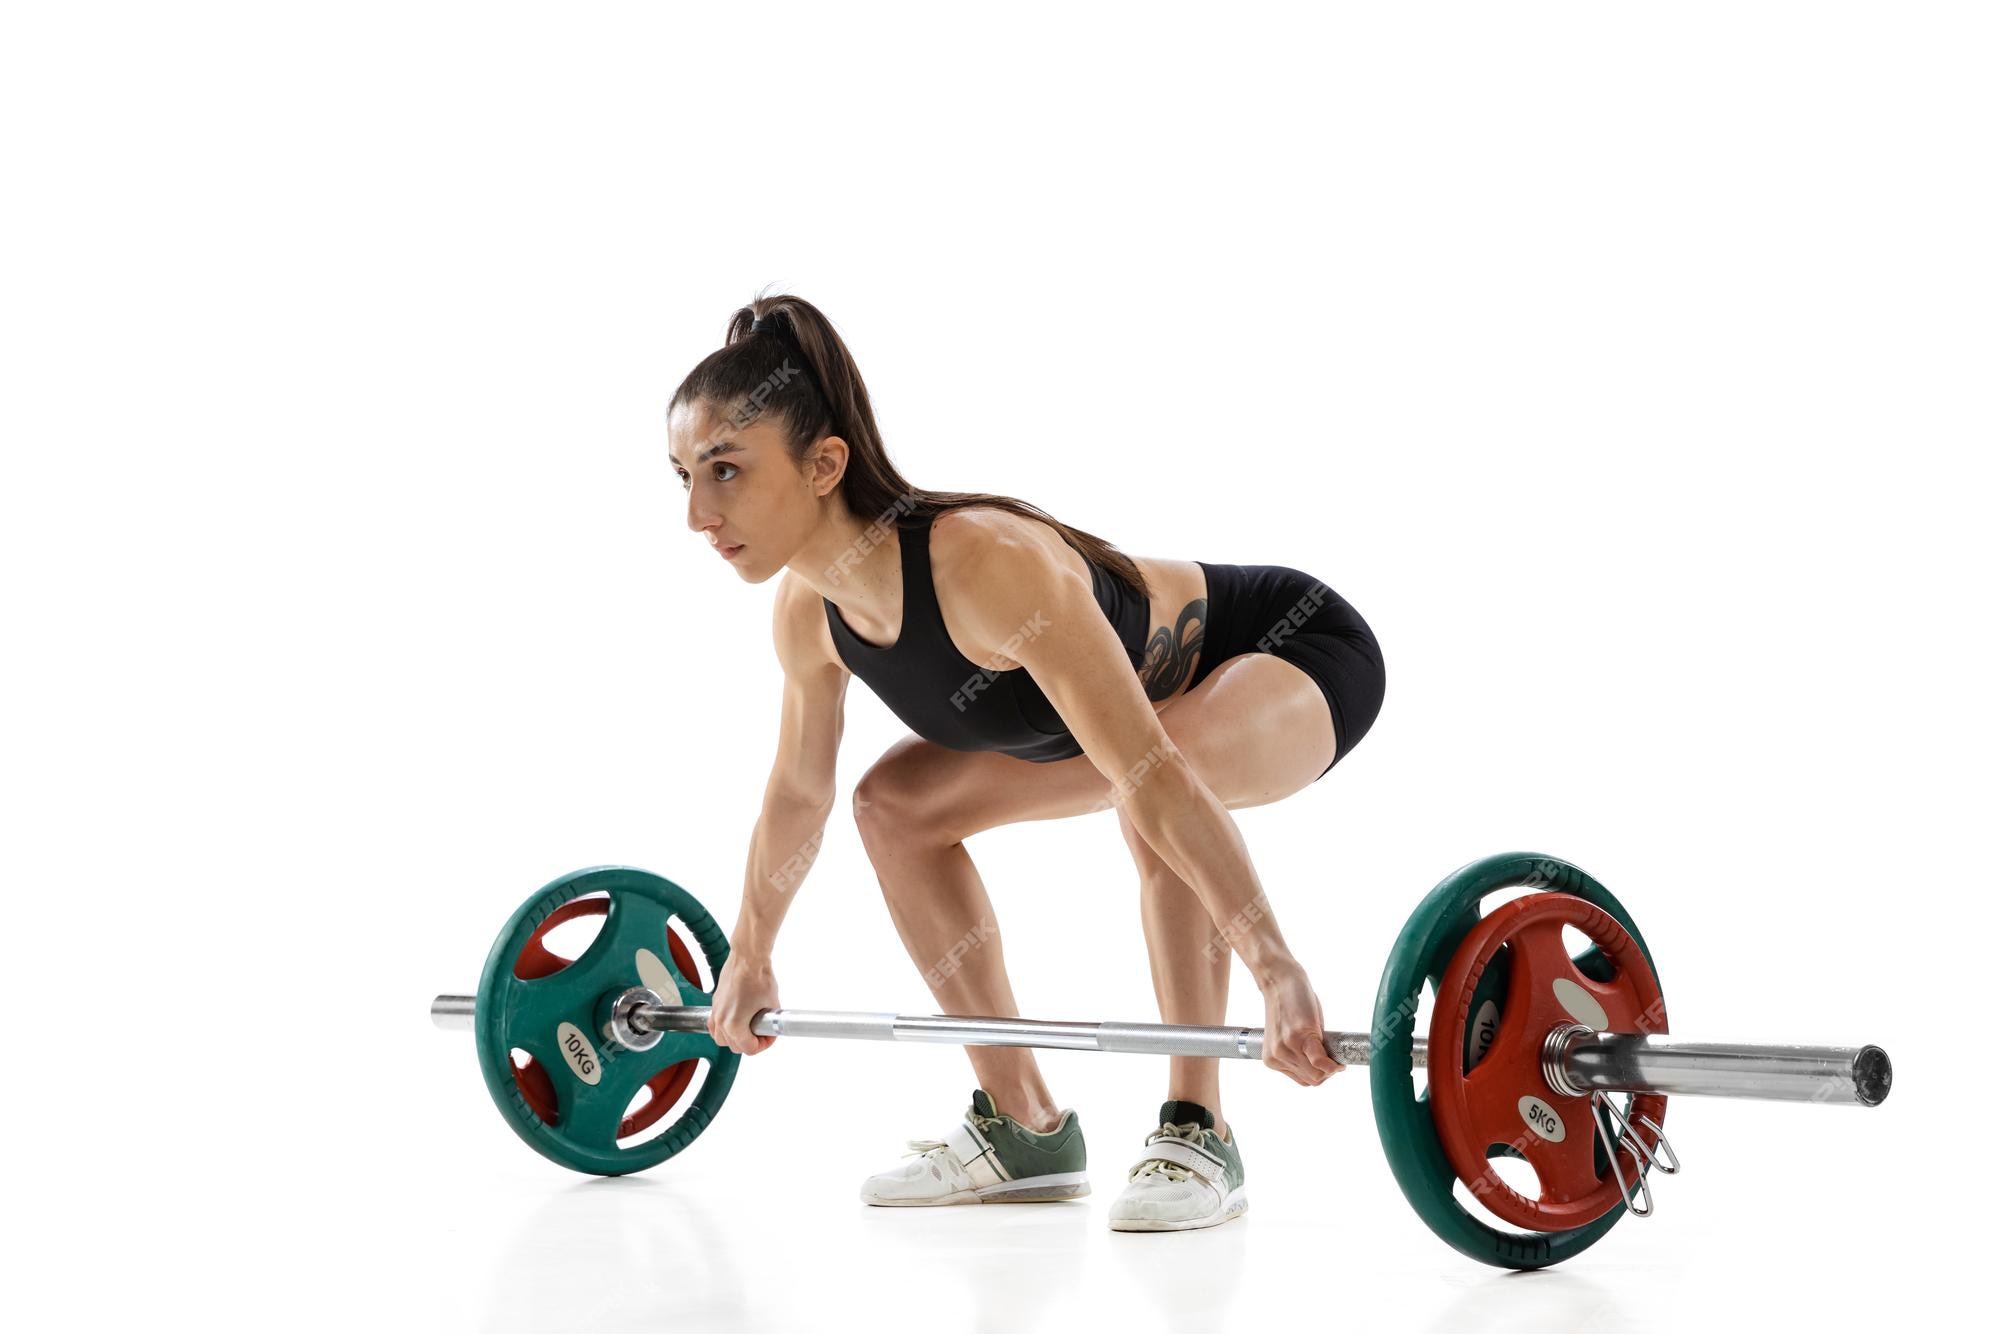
746	496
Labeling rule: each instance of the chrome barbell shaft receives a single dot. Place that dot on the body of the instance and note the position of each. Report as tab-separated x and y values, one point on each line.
1626	1062
453	1011
984	1031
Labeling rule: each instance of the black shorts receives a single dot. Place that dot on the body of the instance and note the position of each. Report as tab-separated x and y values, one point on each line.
1291	615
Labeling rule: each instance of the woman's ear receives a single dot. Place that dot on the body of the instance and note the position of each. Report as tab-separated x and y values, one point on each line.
826	464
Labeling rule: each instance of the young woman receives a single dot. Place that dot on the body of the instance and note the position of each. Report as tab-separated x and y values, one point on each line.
1044	674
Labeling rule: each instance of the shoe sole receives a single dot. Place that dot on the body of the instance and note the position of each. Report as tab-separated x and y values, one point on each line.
1028	1190
1233	1206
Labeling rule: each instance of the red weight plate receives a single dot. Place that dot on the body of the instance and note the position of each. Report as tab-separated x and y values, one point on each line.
668	1085
1505	1099
538	960
666	1088
538	1089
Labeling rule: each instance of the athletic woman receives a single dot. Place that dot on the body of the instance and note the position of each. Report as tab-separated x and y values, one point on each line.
1043	674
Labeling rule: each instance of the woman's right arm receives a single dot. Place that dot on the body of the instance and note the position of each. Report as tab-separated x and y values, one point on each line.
798	797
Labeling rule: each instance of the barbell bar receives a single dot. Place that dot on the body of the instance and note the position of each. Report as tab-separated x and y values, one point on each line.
1611	1062
584	1056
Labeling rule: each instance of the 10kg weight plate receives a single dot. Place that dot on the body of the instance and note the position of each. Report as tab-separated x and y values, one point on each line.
573	1099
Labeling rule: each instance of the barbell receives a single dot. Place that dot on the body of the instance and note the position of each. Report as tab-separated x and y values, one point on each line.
1525	1047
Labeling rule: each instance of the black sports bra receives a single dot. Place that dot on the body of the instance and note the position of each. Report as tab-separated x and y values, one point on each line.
943	696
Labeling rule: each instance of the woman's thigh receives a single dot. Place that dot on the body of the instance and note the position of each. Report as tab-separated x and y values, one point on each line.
1255	730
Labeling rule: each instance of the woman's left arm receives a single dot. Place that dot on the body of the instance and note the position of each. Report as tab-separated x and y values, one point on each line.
1045	616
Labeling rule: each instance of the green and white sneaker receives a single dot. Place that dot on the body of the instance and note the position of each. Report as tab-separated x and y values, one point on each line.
1190	1177
988	1158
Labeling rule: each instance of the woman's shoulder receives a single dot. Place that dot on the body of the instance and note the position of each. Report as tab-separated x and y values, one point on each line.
799	628
987	565
992	539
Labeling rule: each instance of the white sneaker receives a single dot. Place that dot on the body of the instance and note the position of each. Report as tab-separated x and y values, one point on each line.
1190	1177
986	1158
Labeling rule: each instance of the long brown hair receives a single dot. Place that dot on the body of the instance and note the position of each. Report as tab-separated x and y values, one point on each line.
754	373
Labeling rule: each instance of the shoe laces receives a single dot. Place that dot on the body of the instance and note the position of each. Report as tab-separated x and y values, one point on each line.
1190	1131
983	1124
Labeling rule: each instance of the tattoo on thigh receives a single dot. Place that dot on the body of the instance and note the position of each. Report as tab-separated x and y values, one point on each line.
1170	654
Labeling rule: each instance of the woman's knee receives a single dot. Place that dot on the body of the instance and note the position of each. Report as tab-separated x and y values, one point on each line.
894	802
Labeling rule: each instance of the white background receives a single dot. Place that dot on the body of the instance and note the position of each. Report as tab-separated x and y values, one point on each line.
1632	373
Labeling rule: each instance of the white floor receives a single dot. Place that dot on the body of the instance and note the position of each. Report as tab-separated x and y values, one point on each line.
352	1175
1783	1216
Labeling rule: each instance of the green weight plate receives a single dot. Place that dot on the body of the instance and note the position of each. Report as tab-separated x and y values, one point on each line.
555	1019
1402	1116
